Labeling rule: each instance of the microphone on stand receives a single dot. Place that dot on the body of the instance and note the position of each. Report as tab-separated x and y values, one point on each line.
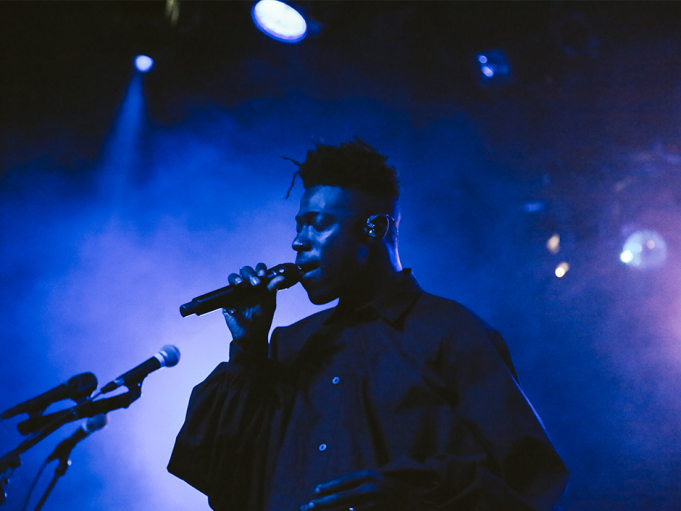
62	451
235	295
168	356
77	388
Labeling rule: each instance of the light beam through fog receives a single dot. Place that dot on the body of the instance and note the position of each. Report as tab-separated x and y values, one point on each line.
121	154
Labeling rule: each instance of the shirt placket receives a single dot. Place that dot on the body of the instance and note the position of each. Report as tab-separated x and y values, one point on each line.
325	442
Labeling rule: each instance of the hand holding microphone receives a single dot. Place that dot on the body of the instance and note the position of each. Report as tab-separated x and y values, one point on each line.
249	301
245	288
253	317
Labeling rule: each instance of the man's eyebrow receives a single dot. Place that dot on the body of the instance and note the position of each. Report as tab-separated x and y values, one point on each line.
304	217
311	215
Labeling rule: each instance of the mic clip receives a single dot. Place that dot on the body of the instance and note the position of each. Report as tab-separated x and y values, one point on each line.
90	408
36	414
44	425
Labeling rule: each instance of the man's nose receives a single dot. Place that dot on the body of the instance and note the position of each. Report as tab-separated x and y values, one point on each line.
301	242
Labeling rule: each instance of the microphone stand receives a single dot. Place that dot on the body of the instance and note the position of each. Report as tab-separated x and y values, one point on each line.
60	470
43	425
5	471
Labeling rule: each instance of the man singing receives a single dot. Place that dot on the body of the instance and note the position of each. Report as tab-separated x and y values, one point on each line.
396	399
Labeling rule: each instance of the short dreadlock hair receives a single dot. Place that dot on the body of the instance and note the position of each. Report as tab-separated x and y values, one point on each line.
354	165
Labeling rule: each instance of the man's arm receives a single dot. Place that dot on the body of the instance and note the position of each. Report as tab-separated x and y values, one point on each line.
222	447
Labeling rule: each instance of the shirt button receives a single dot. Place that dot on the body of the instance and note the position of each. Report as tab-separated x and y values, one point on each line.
322	447
336	380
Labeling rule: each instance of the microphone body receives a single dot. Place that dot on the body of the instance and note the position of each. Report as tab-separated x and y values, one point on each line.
237	295
77	388
168	356
62	451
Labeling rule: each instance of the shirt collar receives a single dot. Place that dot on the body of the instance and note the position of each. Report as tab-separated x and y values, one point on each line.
391	304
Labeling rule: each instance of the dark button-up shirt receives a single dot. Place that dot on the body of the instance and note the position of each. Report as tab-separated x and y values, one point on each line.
412	385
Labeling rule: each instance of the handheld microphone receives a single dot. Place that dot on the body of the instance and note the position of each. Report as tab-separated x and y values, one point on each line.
77	388
235	295
65	447
168	356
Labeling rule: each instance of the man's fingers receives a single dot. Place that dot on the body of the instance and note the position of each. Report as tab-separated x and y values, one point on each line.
362	495
369	506
275	283
359	490
248	273
346	482
234	279
261	269
251	315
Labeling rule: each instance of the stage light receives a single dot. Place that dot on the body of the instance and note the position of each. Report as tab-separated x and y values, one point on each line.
279	21
493	64
553	244
561	270
644	249
144	63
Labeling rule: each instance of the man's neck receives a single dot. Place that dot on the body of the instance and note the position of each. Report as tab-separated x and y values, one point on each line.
374	283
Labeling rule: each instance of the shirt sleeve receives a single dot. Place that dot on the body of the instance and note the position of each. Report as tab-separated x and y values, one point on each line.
221	448
502	458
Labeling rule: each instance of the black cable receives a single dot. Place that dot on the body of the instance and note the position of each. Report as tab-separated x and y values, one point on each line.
35	481
58	472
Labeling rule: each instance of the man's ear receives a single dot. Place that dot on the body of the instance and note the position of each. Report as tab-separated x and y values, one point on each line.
377	227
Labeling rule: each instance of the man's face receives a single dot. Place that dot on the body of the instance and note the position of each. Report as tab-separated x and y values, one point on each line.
329	226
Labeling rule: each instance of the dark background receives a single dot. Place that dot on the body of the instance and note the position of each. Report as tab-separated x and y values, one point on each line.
124	195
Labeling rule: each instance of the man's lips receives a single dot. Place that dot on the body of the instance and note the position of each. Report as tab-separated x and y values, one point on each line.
307	267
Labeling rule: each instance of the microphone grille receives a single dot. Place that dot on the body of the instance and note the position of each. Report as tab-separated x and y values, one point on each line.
170	354
96	423
82	385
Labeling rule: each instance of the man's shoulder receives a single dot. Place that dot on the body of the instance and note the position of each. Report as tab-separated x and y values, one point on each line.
448	313
468	330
